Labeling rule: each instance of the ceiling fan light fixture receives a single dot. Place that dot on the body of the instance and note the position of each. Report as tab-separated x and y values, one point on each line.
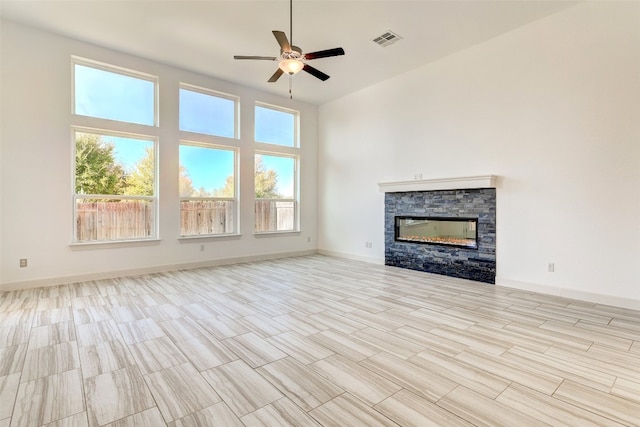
291	66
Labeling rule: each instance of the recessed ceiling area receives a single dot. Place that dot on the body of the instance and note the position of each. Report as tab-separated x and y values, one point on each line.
203	36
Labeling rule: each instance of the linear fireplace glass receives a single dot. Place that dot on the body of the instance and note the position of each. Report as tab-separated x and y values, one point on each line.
459	232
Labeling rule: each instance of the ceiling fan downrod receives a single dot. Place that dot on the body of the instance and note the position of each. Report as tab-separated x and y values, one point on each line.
291	21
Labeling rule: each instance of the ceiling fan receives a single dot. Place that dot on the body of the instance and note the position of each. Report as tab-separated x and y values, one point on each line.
291	59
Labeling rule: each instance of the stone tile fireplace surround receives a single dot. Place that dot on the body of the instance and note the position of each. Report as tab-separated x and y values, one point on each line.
469	197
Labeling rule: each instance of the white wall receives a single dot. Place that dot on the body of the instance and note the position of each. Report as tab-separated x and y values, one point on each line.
36	169
553	108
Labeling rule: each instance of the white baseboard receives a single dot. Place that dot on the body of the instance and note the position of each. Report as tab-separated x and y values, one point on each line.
54	281
370	260
570	293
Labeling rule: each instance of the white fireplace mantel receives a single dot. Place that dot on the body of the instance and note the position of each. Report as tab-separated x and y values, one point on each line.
458	183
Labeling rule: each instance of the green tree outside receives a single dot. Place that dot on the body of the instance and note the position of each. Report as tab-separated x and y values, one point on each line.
185	183
266	181
226	190
97	171
140	180
266	184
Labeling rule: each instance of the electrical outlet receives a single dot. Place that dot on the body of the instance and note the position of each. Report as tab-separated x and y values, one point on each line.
23	262
551	267
308	239
201	248
368	245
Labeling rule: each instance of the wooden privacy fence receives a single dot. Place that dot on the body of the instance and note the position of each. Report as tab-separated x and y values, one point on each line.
113	220
119	220
206	217
274	215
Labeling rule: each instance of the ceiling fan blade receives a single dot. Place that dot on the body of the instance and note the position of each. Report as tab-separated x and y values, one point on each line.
324	53
263	58
282	40
276	76
315	72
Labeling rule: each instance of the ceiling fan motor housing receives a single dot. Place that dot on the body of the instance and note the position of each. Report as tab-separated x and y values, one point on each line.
295	53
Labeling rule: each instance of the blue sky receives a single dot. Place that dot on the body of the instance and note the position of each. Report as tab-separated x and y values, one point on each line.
113	96
285	168
128	151
108	95
274	127
203	113
208	168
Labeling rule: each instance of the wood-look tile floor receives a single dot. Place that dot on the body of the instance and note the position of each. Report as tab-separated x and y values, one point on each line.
312	341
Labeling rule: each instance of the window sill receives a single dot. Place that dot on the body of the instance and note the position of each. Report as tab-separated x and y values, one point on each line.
113	244
185	239
275	233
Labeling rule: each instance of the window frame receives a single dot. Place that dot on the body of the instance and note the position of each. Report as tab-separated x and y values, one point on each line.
217	94
236	189
75	196
77	60
296	193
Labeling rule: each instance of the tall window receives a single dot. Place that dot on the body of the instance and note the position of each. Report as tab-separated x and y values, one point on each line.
115	172
208	165
208	190
114	187
275	193
276	172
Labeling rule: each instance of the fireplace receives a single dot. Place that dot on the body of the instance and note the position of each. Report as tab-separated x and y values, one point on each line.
457	232
443	231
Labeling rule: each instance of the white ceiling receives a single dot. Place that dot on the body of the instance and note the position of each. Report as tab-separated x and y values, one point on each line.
203	35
